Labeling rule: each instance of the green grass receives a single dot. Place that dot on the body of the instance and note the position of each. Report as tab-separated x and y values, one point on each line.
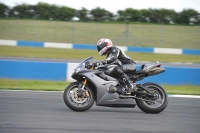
182	89
145	35
43	85
11	51
12	84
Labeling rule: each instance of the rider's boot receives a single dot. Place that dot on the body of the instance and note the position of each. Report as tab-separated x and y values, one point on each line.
130	85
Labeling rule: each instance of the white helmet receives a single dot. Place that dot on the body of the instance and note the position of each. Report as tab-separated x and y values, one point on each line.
103	45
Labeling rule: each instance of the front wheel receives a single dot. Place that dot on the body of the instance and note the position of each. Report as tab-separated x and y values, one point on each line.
153	104
75	102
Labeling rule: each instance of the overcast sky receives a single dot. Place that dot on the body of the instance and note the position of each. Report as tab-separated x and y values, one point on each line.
115	5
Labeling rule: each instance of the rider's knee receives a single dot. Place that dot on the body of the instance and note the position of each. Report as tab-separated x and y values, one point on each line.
118	71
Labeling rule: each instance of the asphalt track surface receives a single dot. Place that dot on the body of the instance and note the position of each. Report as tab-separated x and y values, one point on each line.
170	64
45	112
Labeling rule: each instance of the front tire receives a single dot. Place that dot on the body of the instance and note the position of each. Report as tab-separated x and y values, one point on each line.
76	103
154	104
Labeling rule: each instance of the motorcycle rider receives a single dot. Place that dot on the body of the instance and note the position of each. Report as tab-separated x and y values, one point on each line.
105	47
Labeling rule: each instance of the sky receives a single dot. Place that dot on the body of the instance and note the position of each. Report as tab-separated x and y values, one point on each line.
115	5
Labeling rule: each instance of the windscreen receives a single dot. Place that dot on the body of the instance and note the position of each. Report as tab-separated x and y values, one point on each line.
82	62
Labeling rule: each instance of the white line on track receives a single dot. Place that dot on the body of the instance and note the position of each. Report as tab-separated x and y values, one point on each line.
185	96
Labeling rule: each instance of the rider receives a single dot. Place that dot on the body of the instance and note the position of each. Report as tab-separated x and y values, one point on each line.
105	47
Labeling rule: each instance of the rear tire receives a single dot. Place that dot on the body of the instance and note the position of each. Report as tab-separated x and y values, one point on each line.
77	103
153	104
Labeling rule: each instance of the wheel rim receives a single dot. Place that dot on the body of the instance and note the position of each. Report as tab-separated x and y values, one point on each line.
157	100
78	101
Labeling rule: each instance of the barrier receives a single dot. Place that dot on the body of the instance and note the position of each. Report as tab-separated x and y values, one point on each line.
32	70
93	47
62	71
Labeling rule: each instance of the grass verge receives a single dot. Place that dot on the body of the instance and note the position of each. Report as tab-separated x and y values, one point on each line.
43	85
13	84
11	51
145	35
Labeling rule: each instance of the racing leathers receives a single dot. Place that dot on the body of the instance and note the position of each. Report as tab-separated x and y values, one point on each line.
128	65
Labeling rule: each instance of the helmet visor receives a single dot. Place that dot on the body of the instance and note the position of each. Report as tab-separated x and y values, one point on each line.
103	51
101	46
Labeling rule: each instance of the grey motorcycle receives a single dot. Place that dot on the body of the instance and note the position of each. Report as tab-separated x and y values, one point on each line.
100	86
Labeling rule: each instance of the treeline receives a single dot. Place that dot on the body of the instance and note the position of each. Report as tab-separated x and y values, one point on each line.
55	12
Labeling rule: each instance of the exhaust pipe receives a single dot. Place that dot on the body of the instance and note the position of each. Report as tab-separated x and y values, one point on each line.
156	71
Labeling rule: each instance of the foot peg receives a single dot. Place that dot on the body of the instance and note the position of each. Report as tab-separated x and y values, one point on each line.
130	88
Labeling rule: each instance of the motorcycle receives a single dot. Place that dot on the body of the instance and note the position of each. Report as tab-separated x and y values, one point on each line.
97	84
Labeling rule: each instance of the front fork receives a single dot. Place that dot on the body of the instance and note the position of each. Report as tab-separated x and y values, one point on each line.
81	87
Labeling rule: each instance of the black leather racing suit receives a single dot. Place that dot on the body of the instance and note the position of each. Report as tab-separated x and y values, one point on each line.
128	65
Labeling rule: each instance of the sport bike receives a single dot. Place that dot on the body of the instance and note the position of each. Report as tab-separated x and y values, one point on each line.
97	84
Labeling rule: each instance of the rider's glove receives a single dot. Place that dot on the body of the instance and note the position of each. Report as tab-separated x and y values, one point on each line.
97	64
103	62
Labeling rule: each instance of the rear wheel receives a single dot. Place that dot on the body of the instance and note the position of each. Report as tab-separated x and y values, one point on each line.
153	104
75	102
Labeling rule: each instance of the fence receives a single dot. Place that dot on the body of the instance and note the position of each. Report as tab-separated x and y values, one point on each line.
93	47
139	35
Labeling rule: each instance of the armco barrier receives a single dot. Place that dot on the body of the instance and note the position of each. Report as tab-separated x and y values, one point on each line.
93	47
62	71
32	70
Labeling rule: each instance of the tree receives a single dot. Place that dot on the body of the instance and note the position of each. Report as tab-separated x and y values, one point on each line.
22	11
43	10
83	14
133	14
169	16
99	14
157	16
186	14
66	13
3	10
54	12
145	15
121	15
47	11
129	14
